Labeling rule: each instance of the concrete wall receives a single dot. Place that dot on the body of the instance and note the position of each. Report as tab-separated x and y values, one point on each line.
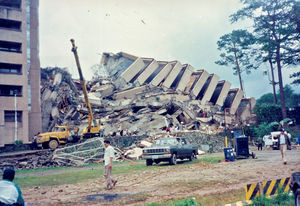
201	81
185	78
7	129
210	89
35	115
213	143
223	93
147	72
172	75
133	69
237	99
162	74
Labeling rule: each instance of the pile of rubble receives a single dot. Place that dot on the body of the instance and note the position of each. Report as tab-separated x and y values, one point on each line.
29	160
59	98
142	96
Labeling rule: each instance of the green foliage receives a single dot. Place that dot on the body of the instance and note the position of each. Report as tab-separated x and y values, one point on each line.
268	113
266	98
275	24
296	77
237	47
263	129
184	202
281	198
291	98
18	142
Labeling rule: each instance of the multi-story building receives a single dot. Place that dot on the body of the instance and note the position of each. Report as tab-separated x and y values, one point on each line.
20	111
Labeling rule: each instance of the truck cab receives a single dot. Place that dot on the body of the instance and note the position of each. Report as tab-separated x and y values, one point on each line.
53	139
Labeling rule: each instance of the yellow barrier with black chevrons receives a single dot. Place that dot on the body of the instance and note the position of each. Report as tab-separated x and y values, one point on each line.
268	188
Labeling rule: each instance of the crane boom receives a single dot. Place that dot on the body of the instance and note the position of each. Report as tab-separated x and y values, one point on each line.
82	82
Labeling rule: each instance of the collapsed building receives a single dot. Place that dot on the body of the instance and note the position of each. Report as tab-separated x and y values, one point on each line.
143	96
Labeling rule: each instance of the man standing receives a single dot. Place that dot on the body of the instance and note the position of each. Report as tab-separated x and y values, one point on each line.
108	159
283	140
10	193
260	143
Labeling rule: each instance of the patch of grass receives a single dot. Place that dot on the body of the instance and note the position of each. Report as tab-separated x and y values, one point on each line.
180	202
278	200
211	160
72	177
59	179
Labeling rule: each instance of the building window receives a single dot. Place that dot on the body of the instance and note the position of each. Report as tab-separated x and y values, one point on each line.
9	116
10	24
10	90
10	46
10	68
11	3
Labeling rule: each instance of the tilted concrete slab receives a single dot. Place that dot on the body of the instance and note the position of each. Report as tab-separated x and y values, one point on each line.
130	92
147	72
164	72
133	69
223	94
185	78
210	88
190	85
236	101
200	83
172	75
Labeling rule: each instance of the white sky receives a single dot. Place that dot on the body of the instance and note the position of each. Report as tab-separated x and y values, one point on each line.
162	29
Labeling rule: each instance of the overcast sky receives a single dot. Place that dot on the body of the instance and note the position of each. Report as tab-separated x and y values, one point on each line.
162	29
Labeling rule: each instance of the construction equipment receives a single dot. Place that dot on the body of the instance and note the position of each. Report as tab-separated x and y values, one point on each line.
53	139
93	129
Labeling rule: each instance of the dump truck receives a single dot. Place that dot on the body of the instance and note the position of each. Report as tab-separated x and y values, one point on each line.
93	129
53	139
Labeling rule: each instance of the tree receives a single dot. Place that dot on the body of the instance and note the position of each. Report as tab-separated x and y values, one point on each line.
295	75
275	19
265	99
237	51
267	55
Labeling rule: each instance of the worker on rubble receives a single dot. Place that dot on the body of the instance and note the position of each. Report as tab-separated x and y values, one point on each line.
10	193
108	159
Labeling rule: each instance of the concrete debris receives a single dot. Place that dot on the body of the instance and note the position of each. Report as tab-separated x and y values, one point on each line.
145	97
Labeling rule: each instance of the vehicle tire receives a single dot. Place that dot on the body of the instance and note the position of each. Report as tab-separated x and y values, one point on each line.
149	162
173	160
192	157
297	197
53	144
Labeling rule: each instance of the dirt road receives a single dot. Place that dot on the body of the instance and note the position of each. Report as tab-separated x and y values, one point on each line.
169	182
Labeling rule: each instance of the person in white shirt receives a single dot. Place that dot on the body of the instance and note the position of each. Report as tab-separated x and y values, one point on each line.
283	140
10	193
108	159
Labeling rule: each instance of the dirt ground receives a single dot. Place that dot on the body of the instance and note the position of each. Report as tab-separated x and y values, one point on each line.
169	182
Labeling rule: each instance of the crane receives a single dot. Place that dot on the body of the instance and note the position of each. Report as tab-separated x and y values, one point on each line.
93	128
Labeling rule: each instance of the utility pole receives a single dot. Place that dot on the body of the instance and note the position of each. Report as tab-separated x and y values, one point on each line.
16	120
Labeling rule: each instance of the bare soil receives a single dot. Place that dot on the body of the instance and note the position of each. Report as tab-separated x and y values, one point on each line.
169	182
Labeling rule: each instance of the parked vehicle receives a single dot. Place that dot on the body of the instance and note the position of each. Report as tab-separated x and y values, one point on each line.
53	139
169	150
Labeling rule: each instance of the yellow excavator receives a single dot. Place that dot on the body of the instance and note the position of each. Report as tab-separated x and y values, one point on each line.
94	128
